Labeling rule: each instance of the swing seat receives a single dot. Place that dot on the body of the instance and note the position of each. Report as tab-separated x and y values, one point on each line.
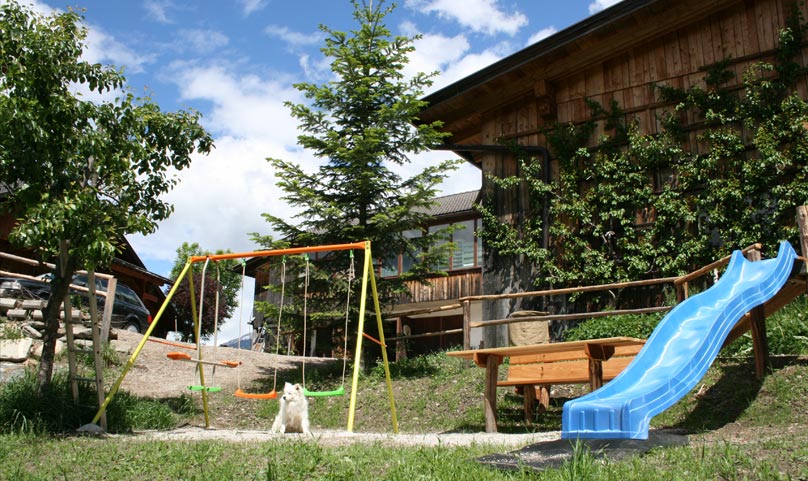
205	388
249	395
336	392
179	356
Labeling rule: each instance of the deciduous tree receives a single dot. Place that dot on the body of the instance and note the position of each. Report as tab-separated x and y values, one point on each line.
79	174
226	281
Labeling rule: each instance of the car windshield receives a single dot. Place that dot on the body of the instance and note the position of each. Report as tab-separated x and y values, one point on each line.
81	280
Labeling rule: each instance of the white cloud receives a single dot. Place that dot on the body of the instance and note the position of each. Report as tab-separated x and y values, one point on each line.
599	5
104	48
448	55
468	65
436	53
483	16
541	35
294	39
220	199
222	195
244	107
316	70
467	177
37	7
250	6
201	40
158	10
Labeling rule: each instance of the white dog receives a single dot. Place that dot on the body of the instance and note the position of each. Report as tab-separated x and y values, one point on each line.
293	415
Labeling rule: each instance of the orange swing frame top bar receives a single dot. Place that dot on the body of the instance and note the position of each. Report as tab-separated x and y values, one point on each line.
279	252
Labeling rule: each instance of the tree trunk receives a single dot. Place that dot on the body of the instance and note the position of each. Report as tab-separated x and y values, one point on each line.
60	284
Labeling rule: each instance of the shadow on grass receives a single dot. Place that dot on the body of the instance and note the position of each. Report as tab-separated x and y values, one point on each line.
731	395
320	375
724	401
511	417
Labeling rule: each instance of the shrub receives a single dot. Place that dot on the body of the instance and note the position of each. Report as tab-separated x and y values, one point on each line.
23	411
786	331
630	325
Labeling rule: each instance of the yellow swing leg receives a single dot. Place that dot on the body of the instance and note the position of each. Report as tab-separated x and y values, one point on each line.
368	272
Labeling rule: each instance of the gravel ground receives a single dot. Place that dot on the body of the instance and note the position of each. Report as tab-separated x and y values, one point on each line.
342	438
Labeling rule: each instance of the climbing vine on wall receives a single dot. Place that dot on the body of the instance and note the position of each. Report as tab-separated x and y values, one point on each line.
727	169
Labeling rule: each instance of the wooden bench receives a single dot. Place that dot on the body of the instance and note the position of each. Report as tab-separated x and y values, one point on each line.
536	367
534	374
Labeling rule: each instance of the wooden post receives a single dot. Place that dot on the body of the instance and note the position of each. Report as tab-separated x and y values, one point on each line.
492	362
802	226
109	304
466	325
760	343
681	291
401	345
597	353
529	396
96	334
543	396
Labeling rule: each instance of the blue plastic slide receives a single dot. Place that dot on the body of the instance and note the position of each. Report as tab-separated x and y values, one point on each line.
678	353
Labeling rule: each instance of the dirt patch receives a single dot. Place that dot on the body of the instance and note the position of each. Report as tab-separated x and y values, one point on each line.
155	375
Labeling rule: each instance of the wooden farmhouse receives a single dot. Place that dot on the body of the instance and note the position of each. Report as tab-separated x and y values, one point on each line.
616	55
431	315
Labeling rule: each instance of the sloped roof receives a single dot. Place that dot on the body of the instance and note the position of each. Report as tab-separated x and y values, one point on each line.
545	47
454	204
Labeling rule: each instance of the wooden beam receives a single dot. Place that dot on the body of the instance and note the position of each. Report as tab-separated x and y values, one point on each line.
714	265
567	317
572	290
466	325
426	310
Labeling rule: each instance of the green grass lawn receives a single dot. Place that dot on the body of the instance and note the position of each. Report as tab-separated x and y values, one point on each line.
740	429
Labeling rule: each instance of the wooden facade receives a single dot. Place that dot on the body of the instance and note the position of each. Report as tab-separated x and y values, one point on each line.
616	55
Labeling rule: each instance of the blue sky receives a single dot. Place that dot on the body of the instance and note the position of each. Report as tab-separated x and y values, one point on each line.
235	61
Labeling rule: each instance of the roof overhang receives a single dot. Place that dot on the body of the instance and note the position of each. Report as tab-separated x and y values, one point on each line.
463	105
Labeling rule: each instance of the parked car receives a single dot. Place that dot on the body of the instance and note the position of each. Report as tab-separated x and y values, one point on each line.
23	288
128	311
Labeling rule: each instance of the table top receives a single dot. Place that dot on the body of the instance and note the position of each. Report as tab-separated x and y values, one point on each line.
552	347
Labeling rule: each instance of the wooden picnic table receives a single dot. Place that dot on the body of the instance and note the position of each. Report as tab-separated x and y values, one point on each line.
595	350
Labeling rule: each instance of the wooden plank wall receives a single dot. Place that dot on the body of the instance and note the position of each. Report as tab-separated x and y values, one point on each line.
747	33
453	286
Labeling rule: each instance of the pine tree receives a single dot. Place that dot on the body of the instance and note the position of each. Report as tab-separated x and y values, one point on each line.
363	123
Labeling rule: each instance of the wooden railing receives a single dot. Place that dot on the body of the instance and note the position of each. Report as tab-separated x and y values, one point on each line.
681	285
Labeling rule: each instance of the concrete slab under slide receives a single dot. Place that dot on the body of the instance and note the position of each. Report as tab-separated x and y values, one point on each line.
553	454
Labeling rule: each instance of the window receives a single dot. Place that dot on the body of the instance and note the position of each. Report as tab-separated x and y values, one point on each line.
390	266
445	262
463	237
407	261
468	251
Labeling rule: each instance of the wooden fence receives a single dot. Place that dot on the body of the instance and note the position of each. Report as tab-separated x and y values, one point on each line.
681	285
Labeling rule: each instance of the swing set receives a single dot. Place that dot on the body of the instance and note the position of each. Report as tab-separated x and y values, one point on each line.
368	277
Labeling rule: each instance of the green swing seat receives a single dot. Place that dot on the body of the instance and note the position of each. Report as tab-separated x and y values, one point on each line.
336	392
